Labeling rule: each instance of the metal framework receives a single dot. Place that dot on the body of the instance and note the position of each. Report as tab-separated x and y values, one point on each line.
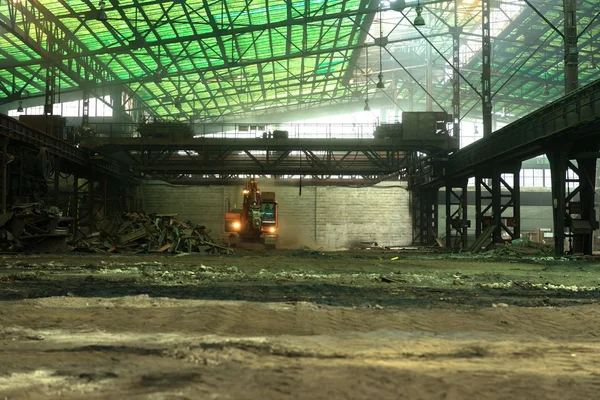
206	60
73	157
210	156
576	115
456	214
497	205
190	59
33	165
425	216
567	129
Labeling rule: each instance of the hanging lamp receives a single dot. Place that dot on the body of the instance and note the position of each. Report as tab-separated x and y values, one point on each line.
101	13
546	91
419	20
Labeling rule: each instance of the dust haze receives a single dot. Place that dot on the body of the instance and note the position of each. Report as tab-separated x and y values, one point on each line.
294	237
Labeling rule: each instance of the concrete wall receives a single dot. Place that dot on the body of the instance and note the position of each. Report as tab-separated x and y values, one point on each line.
323	216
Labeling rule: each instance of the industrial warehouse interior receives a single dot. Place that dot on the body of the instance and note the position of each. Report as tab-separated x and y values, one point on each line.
299	199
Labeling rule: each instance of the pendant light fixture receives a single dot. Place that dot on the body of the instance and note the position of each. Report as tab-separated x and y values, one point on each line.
367	108
546	91
20	108
101	13
419	21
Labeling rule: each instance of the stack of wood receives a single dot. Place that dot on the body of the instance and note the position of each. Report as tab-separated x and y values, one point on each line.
152	233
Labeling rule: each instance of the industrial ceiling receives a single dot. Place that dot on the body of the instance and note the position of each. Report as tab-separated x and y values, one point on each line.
208	60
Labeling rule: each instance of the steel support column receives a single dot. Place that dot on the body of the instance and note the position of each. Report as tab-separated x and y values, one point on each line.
85	112
456	31
50	95
584	226
559	158
395	93
483	204
56	165
509	203
4	144
50	98
573	196
416	205
425	216
571	51
105	208
90	206
428	79
123	197
75	205
456	214
486	71
497	205
116	98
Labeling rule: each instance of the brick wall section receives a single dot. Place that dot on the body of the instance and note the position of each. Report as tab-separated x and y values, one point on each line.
379	213
323	216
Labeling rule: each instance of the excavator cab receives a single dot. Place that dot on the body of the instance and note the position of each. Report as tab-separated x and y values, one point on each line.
268	211
257	221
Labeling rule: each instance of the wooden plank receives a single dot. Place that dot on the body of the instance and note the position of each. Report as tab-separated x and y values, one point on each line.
164	248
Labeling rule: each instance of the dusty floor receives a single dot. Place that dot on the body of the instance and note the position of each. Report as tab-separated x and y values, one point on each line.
298	325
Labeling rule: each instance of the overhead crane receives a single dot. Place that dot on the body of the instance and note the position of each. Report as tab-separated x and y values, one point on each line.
381	155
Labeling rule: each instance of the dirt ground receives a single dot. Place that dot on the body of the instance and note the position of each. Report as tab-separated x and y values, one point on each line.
299	324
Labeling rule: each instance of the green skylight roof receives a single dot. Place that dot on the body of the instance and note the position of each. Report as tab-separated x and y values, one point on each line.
207	59
195	58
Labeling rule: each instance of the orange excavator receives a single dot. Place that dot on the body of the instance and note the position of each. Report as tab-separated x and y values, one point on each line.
258	219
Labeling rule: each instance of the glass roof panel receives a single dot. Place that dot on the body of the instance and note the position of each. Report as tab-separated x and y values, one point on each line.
236	55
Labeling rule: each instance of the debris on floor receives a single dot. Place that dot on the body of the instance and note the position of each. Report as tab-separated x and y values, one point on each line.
523	247
150	233
33	228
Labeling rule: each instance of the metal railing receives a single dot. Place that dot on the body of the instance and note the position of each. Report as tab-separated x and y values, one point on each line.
248	130
17	131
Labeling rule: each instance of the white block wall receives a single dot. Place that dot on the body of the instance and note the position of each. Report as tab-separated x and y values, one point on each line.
331	217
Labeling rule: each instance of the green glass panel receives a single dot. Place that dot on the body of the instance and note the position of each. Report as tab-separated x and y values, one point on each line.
192	58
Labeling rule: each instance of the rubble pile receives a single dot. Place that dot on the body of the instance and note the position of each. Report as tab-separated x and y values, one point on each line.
523	247
34	228
153	233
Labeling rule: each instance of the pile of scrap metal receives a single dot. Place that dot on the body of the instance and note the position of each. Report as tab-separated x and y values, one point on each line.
34	228
149	233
